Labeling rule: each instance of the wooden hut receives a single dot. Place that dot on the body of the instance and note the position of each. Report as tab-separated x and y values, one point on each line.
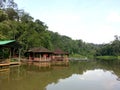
9	49
39	54
60	57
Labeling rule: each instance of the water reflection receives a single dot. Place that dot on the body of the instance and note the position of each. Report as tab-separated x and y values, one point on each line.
89	80
100	75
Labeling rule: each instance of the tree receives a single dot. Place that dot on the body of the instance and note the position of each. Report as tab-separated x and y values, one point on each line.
2	3
26	18
19	25
116	46
111	49
3	16
12	14
8	4
2	37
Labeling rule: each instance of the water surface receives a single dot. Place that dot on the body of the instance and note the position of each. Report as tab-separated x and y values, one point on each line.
100	75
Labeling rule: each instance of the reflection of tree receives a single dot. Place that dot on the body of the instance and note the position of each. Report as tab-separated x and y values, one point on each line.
118	78
5	74
110	65
35	78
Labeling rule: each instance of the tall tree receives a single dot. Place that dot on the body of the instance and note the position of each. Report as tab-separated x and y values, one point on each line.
12	14
26	18
8	4
3	16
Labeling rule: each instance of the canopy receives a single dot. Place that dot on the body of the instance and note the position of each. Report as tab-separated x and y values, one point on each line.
6	42
9	43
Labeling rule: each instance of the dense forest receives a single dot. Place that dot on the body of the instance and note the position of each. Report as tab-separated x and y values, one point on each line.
16	24
110	49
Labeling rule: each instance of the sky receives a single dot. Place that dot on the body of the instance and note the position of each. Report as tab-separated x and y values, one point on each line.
93	21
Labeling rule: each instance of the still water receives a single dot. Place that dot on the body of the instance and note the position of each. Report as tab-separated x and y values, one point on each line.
100	75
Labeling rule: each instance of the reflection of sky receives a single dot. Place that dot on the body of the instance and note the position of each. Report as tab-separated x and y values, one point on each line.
89	80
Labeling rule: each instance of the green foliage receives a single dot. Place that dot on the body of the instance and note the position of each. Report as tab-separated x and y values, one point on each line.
12	14
19	25
14	60
107	57
77	56
111	49
3	16
4	53
119	57
8	4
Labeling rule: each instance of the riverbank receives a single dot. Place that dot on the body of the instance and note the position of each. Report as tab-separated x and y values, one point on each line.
78	59
108	57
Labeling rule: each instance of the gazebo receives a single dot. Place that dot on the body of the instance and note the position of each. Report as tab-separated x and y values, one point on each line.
9	49
39	54
60	56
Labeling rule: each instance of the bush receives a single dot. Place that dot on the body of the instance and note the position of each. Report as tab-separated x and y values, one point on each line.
77	56
107	57
13	60
119	57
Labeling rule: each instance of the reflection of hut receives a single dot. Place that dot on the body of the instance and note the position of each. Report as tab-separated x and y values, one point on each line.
60	56
9	49
39	54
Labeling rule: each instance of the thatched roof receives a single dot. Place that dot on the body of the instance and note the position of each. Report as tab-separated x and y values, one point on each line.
39	50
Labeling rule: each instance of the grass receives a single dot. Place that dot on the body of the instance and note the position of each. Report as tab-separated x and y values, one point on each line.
14	60
81	56
118	57
107	57
77	56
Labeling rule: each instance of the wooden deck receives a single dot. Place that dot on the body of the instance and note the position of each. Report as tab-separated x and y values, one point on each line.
4	64
15	63
8	64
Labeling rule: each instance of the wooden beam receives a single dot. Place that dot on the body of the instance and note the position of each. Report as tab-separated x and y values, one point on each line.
19	55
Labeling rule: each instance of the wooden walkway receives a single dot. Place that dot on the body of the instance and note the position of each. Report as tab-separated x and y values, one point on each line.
8	64
15	63
4	64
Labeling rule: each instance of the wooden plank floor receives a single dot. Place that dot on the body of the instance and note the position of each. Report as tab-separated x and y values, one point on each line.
15	63
4	64
8	64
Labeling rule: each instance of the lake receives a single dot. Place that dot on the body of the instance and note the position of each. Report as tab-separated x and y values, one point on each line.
84	75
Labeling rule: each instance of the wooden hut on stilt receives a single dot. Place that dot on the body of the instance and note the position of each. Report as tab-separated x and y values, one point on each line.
9	51
60	57
39	56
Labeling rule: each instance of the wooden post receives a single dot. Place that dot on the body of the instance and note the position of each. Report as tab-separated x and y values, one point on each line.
45	57
33	56
40	57
10	54
13	53
19	54
3	53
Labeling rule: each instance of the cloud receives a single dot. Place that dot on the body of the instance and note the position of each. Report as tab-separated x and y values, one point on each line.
64	22
113	17
77	26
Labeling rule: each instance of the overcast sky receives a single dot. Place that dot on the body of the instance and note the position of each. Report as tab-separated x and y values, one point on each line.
93	21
